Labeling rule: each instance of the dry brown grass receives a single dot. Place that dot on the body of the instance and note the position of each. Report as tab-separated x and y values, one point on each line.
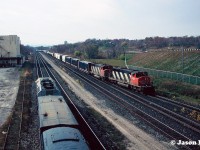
178	90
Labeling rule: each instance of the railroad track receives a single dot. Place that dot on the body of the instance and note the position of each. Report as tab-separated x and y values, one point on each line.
161	125
90	136
186	110
167	107
163	101
41	69
19	118
37	66
16	124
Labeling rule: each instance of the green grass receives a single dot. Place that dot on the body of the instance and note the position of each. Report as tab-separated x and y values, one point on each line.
164	60
177	90
173	61
114	62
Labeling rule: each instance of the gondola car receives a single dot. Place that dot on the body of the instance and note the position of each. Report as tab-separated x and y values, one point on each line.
58	127
46	86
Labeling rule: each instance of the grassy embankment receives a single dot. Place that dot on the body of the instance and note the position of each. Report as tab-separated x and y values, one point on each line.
168	61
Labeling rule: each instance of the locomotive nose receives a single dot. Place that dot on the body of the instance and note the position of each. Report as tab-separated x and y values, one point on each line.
144	81
107	73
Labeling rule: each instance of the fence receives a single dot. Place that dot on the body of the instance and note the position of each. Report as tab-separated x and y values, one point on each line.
167	74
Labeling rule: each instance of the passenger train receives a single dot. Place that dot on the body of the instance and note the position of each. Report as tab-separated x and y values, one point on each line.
58	127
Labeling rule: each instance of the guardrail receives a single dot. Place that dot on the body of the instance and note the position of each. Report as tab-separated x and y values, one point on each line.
171	75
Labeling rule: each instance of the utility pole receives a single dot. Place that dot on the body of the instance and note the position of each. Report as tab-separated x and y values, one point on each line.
182	63
124	46
182	60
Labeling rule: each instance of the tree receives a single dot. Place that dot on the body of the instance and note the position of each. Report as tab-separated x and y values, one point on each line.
26	50
124	46
77	53
91	51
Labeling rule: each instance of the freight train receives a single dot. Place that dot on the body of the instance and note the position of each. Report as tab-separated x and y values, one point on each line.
133	79
58	127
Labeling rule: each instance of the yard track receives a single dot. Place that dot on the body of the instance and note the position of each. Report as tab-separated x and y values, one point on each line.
90	136
166	121
19	114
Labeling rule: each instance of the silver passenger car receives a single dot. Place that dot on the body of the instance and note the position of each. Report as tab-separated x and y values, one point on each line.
58	127
53	111
63	138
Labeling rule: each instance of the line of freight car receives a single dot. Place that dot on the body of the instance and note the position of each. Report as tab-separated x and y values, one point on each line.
134	79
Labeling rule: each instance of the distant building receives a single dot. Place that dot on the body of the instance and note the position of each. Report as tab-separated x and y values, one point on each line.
10	51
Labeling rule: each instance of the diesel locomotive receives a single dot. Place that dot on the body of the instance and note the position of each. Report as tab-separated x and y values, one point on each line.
58	127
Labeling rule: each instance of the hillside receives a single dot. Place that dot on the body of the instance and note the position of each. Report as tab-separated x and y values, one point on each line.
161	60
169	61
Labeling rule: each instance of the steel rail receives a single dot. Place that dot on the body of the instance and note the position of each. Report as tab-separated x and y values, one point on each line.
45	68
95	142
19	140
177	103
117	101
39	72
190	123
9	142
156	107
169	105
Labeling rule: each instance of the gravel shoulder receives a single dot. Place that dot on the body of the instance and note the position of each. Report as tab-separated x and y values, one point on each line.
137	139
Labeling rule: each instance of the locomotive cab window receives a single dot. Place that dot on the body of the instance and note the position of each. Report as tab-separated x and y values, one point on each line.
141	74
145	73
106	67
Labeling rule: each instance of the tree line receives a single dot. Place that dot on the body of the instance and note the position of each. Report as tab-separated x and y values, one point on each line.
96	48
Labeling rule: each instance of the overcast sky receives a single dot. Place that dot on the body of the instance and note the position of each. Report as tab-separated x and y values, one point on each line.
50	22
